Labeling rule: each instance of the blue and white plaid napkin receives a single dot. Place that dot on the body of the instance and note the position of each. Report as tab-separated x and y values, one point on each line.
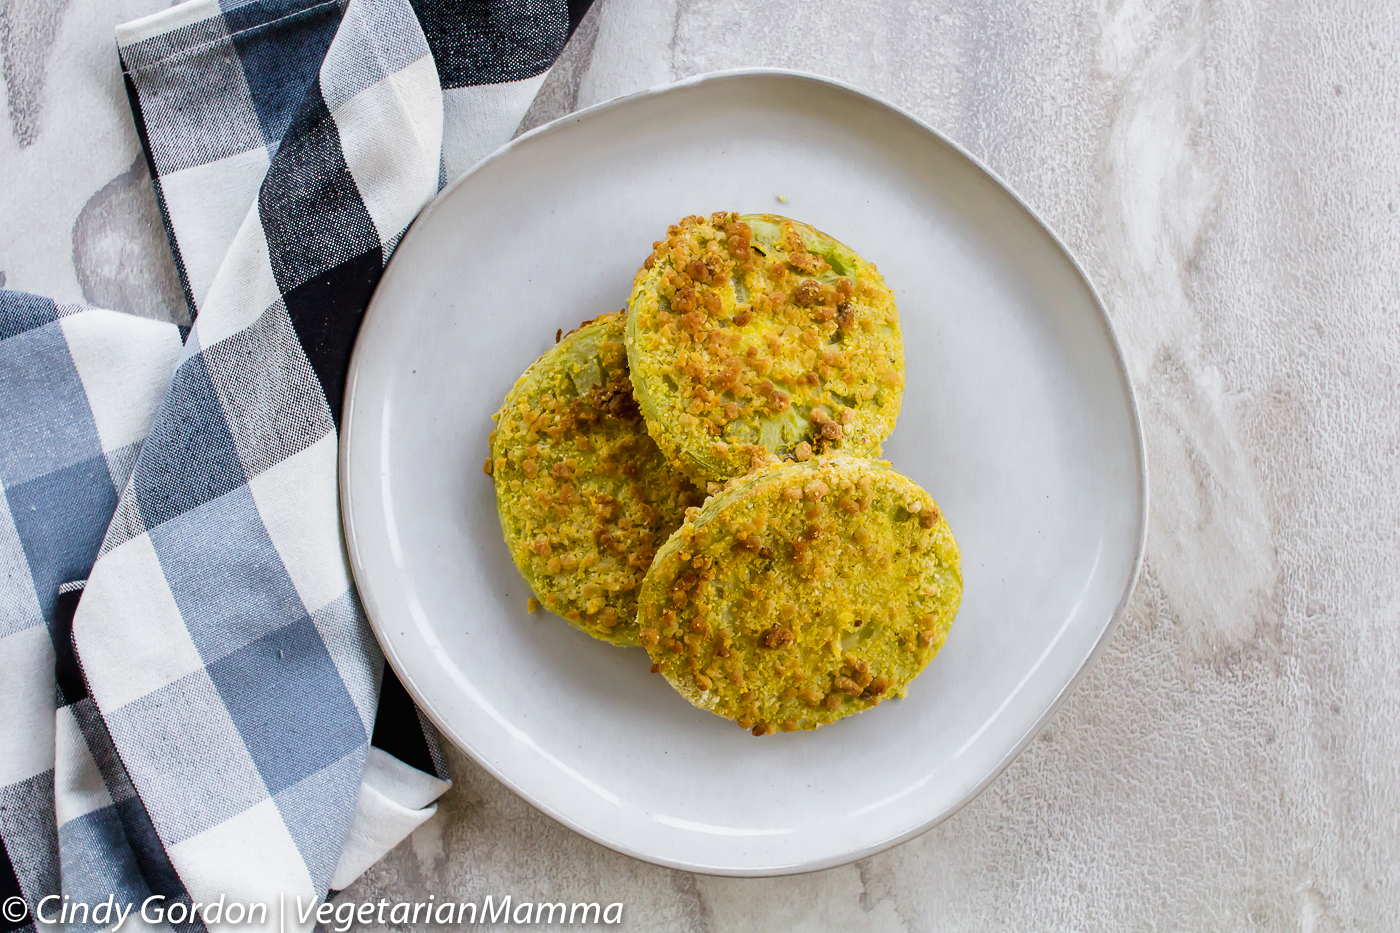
203	716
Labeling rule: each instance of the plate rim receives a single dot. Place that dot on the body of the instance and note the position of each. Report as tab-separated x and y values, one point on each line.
371	603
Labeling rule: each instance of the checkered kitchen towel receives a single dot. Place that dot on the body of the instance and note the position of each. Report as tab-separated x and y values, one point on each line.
204	716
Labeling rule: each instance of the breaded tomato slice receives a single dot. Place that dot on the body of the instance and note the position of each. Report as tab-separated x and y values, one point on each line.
759	336
802	593
584	495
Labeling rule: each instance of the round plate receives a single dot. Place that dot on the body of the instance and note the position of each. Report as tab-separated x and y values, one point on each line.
1018	417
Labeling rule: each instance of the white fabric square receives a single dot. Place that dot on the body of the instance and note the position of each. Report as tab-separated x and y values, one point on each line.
248	858
394	800
152	648
207	205
168	20
391	134
298	503
479	119
27	698
373	40
78	788
243	289
125	363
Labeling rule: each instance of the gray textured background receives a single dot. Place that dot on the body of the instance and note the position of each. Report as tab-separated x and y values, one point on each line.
1229	173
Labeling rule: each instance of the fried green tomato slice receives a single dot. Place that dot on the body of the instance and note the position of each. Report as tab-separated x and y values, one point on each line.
802	593
756	337
584	495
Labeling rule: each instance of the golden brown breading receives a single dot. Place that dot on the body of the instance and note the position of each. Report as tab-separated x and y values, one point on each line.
759	336
584	495
802	593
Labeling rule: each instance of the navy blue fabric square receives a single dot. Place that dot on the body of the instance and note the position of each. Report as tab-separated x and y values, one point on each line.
493	41
326	312
577	9
98	862
225	575
310	207
61	518
28	841
72	687
281	44
9	888
45	421
397	729
148	850
290	732
189	457
21	311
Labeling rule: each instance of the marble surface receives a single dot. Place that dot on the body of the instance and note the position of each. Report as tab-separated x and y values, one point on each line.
1228	175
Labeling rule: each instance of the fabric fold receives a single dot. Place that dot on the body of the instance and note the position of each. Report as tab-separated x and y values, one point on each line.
208	713
257	665
80	389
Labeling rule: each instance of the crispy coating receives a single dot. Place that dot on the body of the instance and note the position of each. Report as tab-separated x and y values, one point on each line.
758	336
802	593
584	495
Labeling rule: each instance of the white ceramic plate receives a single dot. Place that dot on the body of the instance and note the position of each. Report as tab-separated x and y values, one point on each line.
1018	417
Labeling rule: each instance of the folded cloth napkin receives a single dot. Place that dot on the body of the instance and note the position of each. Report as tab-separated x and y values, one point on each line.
191	700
